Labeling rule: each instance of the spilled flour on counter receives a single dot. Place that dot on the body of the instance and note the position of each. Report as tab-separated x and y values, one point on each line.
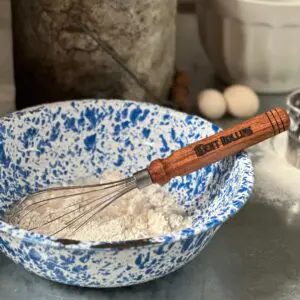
276	180
275	177
139	214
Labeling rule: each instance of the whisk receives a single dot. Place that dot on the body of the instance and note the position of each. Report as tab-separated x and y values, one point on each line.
78	205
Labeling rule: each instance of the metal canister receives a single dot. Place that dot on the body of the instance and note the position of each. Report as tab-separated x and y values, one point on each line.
293	149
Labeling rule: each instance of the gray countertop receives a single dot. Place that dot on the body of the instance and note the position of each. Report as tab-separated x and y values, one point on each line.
256	255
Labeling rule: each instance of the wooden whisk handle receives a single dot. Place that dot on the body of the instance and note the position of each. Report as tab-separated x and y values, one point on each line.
219	146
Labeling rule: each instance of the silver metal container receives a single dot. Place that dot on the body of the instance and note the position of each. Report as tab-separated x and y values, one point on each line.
293	149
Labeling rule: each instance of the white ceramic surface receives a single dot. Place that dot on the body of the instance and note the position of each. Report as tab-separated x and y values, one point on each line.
253	42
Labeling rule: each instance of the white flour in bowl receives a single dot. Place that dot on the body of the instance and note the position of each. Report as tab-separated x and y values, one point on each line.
139	214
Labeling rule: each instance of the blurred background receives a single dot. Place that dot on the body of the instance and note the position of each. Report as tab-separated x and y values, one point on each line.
168	53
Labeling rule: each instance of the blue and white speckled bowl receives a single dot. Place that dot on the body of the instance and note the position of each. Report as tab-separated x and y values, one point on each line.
55	143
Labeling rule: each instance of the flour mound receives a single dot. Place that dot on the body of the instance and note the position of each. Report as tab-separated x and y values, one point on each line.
139	214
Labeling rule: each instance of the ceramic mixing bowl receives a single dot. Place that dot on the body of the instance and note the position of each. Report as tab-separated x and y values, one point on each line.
52	144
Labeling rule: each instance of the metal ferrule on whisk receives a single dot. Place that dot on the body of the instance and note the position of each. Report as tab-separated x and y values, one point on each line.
142	179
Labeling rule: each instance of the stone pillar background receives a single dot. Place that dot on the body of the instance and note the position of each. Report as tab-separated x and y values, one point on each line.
7	86
74	49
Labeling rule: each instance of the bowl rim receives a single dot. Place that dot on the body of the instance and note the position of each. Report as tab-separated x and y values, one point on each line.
246	187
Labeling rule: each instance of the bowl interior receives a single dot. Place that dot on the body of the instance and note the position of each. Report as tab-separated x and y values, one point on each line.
59	143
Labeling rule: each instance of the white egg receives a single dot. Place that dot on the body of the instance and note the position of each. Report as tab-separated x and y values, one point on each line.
211	104
242	102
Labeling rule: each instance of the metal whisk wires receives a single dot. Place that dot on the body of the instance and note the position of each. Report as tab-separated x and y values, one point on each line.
67	209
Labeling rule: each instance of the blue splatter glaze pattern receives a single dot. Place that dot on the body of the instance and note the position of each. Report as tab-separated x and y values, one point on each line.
57	143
